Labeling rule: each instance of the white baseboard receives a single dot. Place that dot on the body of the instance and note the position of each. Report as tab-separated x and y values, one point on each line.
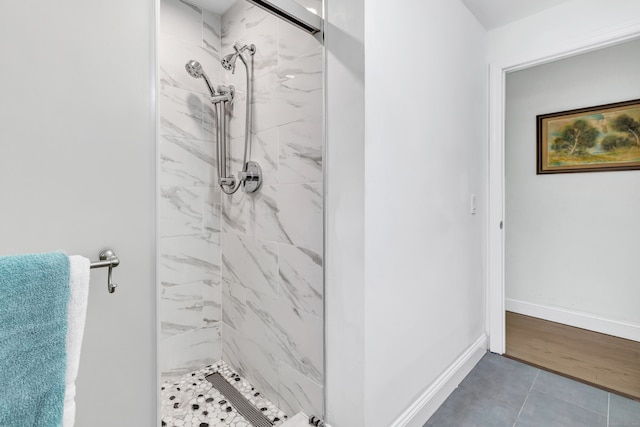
426	405
627	330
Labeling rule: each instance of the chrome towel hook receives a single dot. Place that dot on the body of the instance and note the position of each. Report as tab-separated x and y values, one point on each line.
108	259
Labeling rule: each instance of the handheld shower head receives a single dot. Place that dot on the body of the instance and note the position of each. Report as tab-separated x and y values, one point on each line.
195	70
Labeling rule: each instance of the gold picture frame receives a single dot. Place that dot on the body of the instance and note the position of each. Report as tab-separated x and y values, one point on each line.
594	139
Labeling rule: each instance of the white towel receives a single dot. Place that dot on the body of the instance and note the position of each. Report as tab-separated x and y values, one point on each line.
76	315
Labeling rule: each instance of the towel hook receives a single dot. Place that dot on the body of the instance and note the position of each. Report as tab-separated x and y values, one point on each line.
108	259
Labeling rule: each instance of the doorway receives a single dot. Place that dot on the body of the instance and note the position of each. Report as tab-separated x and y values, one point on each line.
569	244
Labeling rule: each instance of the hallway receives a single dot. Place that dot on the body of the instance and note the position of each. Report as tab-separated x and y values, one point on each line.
503	392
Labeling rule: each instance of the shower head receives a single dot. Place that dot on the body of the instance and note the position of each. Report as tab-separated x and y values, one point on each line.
229	61
195	70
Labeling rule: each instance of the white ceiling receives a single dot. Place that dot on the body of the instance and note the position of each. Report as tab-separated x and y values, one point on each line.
496	13
219	7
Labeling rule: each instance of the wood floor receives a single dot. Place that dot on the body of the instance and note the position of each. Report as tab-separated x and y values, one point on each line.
602	360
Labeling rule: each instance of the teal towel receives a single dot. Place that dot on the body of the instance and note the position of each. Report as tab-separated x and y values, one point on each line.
34	292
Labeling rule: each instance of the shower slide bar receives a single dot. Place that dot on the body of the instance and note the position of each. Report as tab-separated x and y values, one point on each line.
107	259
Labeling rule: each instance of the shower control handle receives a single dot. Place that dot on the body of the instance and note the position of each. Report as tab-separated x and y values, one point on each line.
248	176
251	177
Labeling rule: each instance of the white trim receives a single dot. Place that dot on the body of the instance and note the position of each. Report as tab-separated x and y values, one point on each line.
498	69
607	37
426	404
155	111
591	322
495	258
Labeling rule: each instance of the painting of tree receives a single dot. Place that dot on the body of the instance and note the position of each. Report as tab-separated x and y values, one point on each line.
576	138
628	125
615	142
601	138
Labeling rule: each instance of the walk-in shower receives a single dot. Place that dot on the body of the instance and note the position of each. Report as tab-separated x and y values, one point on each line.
241	275
251	174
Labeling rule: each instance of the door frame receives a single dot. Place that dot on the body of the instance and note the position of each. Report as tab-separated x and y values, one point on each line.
498	70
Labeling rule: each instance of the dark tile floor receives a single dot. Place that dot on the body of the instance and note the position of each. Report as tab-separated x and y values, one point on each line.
502	392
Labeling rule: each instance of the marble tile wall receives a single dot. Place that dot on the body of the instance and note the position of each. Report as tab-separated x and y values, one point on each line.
241	275
191	293
271	241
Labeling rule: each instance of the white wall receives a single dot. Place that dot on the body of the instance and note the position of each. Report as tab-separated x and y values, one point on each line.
425	156
571	238
422	305
77	173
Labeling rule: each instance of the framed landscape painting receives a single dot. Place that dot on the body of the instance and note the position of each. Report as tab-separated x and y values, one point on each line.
601	138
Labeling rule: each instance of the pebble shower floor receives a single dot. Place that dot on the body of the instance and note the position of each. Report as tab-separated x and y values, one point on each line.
192	401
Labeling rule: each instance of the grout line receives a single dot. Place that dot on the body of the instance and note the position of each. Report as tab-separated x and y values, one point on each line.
573	403
608	408
570	403
526	398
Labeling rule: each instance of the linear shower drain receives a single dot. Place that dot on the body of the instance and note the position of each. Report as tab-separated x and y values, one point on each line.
238	401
